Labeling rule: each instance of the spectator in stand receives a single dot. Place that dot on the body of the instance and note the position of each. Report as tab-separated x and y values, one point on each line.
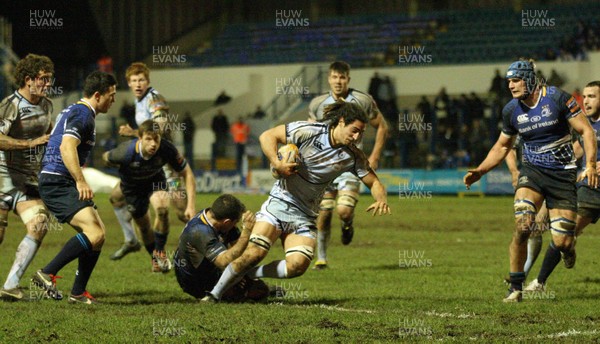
476	108
189	131
555	79
259	113
240	132
374	85
223	98
220	127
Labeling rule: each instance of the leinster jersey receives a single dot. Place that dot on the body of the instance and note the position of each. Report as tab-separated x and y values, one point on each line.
152	105
22	120
320	164
78	121
200	240
134	168
544	128
363	100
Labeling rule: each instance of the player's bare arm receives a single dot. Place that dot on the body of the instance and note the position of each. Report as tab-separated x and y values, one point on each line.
495	156
68	151
511	163
381	126
190	188
8	143
222	260
590	146
268	142
379	194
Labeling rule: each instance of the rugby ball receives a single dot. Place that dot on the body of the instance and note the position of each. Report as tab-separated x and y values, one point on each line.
287	153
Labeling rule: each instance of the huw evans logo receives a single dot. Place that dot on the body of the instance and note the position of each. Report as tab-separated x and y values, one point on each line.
44	19
290	19
536	19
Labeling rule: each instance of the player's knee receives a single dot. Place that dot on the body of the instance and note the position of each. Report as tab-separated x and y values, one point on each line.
563	232
3	225
116	202
96	239
327	204
259	245
298	259
36	218
347	200
524	215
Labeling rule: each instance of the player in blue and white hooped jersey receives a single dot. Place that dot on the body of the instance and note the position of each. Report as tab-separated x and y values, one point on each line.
65	191
588	198
25	124
543	117
326	150
345	187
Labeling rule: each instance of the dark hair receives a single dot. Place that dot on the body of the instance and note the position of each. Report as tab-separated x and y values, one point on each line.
98	82
350	112
149	127
30	66
593	83
227	207
340	67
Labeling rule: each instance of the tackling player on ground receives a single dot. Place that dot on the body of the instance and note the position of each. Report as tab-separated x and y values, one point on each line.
327	149
25	122
346	187
542	116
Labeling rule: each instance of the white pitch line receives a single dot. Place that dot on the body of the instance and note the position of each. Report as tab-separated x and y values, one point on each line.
450	315
570	333
327	307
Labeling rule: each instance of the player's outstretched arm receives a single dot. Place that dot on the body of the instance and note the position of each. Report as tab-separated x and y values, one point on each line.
382	128
511	163
126	130
590	146
190	189
8	143
495	156
68	151
379	194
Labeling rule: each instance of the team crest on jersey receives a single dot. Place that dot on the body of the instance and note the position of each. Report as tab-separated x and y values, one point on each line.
523	180
546	111
522	118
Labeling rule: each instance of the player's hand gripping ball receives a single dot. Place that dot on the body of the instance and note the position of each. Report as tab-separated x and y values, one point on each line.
287	153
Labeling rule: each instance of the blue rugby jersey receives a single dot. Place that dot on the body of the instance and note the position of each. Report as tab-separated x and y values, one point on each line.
544	128
79	121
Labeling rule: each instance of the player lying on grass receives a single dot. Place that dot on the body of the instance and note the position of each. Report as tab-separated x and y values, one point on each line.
141	171
208	243
327	150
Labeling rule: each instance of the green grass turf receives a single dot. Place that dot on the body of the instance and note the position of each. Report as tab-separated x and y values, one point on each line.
431	271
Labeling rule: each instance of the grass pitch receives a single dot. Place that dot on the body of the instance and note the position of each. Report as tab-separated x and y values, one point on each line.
431	271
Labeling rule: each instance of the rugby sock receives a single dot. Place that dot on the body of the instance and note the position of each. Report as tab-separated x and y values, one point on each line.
228	279
551	259
160	240
323	240
149	247
74	248
87	262
25	253
124	217
534	246
516	280
275	269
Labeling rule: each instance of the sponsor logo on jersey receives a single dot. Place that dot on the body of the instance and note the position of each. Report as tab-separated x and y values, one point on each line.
535	119
522	118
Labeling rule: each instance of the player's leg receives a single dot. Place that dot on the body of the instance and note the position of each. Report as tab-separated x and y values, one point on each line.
527	202
160	203
177	195
348	190
261	239
36	218
3	222
324	227
131	244
534	243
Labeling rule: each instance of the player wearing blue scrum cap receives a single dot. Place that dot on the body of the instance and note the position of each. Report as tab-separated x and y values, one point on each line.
542	116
